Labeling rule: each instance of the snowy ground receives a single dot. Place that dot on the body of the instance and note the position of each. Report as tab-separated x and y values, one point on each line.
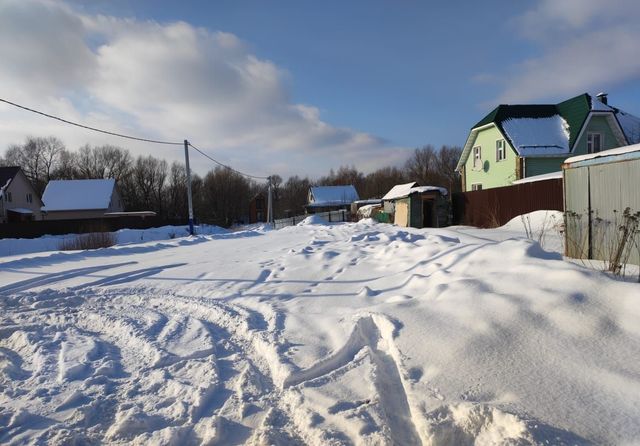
12	246
344	334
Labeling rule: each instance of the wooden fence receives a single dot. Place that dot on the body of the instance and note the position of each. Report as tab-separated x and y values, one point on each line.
495	207
33	229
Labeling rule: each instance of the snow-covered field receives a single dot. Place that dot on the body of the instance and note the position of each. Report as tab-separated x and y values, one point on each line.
318	334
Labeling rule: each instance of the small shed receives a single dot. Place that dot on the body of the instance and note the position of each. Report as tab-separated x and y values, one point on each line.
602	205
417	206
81	199
330	198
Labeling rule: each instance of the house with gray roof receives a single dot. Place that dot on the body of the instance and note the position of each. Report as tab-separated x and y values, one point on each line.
514	142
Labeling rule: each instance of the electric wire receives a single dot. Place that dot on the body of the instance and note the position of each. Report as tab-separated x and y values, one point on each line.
135	138
224	165
106	132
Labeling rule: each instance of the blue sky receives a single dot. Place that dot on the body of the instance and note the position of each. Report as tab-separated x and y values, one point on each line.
339	82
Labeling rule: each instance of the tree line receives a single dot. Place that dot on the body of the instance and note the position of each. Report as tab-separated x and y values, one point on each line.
222	196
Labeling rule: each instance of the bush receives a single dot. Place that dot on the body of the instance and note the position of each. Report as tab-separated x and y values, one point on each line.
93	240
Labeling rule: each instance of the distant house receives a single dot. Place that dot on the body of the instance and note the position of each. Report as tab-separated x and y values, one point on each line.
519	141
80	199
258	209
330	198
19	201
417	206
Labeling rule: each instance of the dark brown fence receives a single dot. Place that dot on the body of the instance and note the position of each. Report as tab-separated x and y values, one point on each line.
495	207
35	229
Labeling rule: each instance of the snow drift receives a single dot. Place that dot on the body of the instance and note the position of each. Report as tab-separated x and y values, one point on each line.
318	334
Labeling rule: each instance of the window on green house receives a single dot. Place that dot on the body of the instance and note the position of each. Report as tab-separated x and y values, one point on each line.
594	142
476	186
501	150
477	157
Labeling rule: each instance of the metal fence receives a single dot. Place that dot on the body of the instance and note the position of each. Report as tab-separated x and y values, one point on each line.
495	207
330	217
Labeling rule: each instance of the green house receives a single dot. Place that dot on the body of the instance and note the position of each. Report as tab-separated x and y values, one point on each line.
520	141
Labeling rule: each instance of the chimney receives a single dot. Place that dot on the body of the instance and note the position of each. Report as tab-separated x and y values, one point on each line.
602	97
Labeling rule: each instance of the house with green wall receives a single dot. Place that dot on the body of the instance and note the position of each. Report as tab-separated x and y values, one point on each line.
514	142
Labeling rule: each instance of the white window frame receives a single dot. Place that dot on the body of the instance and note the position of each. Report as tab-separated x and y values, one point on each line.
501	150
476	186
591	141
477	157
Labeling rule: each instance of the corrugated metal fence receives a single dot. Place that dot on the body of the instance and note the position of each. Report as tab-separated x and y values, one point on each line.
331	217
597	196
495	207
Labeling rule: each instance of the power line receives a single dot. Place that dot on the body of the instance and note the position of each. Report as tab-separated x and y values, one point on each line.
106	132
135	138
224	165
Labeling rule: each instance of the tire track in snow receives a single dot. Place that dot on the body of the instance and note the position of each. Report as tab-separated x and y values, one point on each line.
367	335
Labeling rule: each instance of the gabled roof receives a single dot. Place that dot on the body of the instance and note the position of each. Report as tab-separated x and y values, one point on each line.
551	129
332	195
404	190
399	191
73	195
7	174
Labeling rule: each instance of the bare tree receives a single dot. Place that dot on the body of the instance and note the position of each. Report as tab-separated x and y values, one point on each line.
378	183
38	158
103	162
293	196
422	165
446	161
144	187
227	196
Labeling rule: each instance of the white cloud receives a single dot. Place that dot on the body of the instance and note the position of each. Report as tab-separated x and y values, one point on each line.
168	81
584	45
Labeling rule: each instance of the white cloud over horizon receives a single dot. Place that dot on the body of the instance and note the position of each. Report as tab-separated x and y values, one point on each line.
165	81
582	45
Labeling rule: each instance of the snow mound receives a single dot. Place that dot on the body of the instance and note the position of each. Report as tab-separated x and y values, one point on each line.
318	334
313	220
10	247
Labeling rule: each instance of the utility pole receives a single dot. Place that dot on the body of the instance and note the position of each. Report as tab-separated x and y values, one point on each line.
270	204
190	200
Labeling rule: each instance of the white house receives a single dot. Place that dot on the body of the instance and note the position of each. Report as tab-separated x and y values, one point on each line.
19	201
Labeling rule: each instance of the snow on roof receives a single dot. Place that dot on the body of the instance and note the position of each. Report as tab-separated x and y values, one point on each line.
332	195
21	210
538	136
598	105
399	191
404	190
71	195
611	152
630	126
543	177
369	201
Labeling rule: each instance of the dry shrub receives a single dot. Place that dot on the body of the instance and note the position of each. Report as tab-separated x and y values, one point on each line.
93	240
